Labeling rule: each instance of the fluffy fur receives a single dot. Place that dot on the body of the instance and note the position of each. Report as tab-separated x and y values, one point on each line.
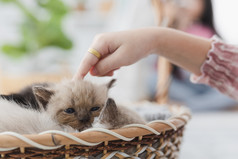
25	97
70	103
113	116
26	121
85	98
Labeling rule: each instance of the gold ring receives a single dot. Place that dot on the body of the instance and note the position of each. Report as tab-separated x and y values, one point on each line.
94	52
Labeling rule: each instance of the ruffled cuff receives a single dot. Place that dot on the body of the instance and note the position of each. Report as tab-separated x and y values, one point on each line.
220	70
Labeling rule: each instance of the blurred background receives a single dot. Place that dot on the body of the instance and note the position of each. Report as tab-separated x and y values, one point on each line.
45	40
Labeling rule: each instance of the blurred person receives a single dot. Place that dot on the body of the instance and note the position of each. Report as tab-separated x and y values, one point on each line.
194	17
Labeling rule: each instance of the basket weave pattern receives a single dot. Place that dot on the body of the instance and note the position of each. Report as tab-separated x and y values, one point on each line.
165	145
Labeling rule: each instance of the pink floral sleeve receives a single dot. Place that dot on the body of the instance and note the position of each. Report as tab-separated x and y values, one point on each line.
220	70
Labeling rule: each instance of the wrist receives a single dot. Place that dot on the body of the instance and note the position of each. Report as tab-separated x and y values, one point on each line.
157	40
182	49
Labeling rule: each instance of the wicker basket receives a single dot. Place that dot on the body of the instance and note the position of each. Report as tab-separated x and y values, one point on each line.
157	139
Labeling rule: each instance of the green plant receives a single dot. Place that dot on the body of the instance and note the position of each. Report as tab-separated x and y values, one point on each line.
39	32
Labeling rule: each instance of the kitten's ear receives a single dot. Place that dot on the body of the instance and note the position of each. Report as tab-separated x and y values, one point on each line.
111	105
110	84
42	95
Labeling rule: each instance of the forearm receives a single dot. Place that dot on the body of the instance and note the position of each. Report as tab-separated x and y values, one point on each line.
182	49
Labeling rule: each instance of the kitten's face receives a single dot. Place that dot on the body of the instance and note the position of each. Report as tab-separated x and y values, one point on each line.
77	103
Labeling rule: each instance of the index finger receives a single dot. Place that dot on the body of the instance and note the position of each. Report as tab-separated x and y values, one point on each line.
87	63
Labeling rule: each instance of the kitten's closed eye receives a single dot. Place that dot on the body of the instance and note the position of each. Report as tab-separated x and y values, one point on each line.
69	110
94	109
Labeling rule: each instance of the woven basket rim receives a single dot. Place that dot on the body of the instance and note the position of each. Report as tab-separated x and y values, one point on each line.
50	139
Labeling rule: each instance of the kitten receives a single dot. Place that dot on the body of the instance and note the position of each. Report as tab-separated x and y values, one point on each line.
70	103
73	103
113	116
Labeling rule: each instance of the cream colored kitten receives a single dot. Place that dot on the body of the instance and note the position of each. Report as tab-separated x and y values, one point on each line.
73	103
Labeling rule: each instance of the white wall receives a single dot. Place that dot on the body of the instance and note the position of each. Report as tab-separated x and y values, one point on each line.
226	19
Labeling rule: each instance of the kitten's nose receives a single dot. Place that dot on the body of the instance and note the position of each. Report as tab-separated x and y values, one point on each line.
85	119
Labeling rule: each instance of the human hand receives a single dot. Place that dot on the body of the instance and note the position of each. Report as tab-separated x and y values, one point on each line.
127	47
117	49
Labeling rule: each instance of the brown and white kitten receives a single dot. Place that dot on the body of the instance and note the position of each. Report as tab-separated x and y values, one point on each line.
73	103
113	116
